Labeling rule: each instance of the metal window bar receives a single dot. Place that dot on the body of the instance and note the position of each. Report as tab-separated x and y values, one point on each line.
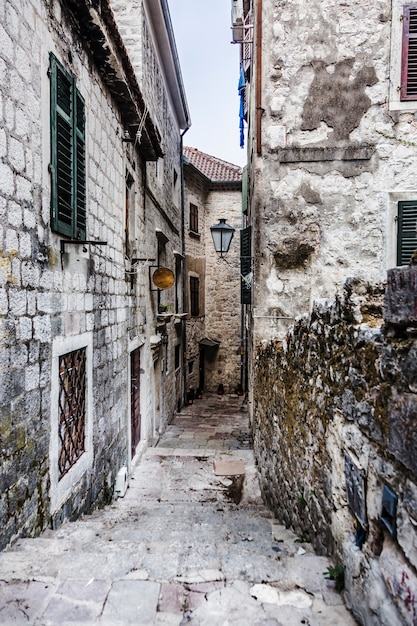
247	44
72	409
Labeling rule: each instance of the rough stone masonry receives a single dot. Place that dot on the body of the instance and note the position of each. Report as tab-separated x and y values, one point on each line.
335	440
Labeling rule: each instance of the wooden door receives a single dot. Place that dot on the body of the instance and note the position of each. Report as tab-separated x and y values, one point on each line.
135	417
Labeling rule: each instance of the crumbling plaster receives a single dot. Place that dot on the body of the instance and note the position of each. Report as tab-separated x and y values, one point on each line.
326	127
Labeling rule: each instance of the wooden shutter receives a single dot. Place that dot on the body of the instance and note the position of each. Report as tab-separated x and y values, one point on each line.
407	236
409	54
246	265
193	218
194	295
80	177
68	163
245	190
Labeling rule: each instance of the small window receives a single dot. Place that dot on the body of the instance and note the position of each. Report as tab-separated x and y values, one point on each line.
407	235
193	218
68	162
409	54
194	296
129	213
72	409
177	356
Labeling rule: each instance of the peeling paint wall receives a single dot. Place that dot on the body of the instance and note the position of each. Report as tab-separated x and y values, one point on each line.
334	428
335	150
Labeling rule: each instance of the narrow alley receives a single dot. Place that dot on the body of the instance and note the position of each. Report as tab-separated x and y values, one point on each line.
189	543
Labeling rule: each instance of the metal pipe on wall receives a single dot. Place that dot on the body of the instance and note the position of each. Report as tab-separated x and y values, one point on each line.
258	96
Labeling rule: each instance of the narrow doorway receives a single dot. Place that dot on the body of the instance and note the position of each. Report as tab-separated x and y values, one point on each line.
201	378
158	373
135	417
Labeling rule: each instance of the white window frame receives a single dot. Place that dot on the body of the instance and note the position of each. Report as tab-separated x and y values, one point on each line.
394	197
395	103
62	489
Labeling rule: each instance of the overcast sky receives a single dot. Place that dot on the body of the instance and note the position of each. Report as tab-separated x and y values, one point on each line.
210	71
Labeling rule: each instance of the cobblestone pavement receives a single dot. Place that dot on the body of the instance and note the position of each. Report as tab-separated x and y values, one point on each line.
189	544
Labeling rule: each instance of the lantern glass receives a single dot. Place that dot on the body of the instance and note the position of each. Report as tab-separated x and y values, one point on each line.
222	234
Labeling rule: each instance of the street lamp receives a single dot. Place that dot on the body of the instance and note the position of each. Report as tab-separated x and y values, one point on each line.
222	234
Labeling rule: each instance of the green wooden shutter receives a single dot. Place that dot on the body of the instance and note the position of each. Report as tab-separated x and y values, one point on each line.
68	176
80	179
407	236
246	264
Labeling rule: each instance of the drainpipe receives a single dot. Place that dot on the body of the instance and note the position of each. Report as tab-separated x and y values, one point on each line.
184	271
259	109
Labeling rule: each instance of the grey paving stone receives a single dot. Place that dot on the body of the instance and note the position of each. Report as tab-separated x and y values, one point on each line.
75	602
131	602
23	602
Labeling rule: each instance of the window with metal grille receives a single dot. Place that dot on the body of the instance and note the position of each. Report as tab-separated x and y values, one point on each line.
193	218
194	295
409	54
72	409
68	163
407	235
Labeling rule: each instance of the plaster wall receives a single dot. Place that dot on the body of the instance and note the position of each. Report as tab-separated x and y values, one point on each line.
338	151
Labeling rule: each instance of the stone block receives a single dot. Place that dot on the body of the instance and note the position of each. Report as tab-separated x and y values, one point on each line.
402	437
132	601
400	305
42	328
15	595
228	468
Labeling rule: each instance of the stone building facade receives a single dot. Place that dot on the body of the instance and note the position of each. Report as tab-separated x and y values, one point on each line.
330	103
331	148
90	201
214	329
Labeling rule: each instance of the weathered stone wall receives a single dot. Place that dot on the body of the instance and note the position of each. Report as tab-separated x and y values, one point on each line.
162	203
220	308
92	296
195	192
336	152
45	297
334	428
223	308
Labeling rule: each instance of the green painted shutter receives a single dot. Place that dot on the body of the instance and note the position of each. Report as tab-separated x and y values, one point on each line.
246	264
80	179
407	235
68	198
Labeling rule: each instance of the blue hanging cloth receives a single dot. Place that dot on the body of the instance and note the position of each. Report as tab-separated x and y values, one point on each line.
241	92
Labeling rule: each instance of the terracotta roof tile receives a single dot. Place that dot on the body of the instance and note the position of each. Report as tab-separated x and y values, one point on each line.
214	169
